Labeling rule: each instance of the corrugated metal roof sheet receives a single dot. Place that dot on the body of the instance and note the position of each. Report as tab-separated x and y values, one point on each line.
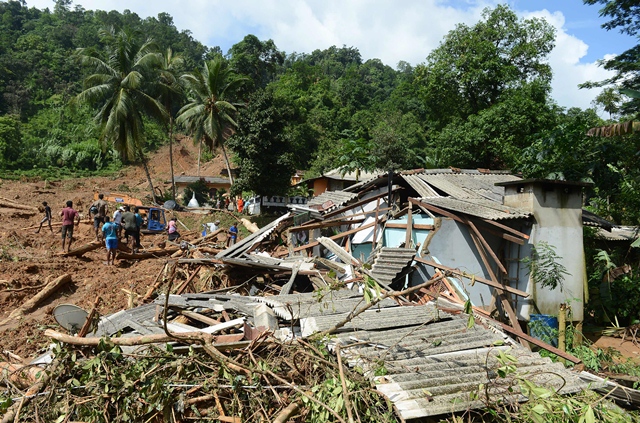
338	198
423	190
433	361
470	186
248	242
478	207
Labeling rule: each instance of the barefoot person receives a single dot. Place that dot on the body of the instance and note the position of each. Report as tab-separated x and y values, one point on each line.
68	216
46	218
110	235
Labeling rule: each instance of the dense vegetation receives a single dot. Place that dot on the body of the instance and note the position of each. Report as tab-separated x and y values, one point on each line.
481	99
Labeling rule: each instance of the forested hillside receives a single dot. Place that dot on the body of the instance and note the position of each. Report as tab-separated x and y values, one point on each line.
87	91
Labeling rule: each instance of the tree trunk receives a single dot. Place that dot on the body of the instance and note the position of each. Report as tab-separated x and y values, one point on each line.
226	162
199	155
173	182
146	171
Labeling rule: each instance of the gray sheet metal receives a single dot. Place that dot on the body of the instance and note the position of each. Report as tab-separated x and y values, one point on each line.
478	207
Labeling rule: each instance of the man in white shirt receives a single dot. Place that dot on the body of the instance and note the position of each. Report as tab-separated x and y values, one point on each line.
117	219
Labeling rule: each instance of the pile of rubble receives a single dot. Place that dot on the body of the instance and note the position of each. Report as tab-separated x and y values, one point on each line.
403	279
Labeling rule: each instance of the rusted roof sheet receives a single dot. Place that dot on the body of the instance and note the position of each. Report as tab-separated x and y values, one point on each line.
482	208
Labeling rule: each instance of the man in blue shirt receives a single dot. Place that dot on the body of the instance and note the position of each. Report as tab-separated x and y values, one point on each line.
232	234
110	235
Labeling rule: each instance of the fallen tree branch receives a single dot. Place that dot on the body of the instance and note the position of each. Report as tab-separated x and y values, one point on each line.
287	412
147	254
49	289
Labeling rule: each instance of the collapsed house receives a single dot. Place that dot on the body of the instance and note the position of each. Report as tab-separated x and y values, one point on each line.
418	273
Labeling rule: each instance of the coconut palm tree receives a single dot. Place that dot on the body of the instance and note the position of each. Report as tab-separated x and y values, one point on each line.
210	113
119	88
170	94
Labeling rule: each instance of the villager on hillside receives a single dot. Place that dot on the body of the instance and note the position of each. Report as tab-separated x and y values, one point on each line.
68	216
109	232
129	224
138	216
240	203
232	235
117	219
99	209
172	229
46	218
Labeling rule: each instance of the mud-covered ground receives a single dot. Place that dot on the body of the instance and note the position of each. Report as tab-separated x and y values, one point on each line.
28	260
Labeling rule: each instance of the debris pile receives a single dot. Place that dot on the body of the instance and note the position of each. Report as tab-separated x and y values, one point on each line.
391	300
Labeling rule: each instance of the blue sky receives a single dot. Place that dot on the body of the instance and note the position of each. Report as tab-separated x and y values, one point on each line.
387	29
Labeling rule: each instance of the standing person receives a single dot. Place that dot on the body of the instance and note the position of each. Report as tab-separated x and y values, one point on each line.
240	204
138	216
110	235
232	235
117	220
68	215
46	218
226	203
173	230
101	208
129	225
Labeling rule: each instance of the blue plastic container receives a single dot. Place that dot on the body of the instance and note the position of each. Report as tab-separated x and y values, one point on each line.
544	327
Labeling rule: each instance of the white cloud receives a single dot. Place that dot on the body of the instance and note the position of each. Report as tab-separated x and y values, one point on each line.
383	29
568	71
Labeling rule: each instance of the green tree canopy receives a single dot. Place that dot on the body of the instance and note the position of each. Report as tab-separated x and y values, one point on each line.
262	147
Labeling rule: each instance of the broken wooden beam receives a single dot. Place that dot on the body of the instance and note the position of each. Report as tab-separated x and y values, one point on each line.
159	252
78	252
539	343
185	337
328	224
334	237
471	276
31	304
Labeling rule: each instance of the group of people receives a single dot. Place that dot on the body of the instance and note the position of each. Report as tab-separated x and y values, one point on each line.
110	229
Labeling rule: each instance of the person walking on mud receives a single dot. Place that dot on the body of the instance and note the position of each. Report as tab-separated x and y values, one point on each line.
99	209
68	216
110	235
46	218
232	235
129	224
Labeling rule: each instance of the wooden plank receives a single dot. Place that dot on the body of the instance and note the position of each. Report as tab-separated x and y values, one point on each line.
506	228
407	239
326	224
287	287
375	228
200	317
334	237
358	204
186	283
486	245
469	276
338	219
504	296
540	343
403	226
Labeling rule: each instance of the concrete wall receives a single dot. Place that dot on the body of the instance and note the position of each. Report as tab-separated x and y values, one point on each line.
557	211
452	246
